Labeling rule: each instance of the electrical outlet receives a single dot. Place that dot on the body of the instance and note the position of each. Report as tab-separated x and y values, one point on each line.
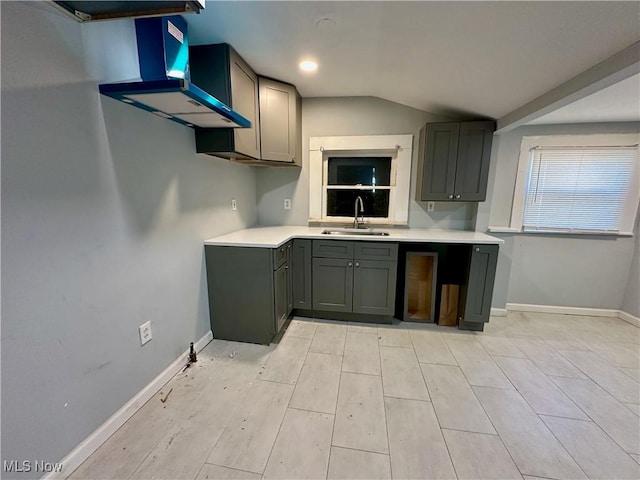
234	205
287	204
145	332
431	206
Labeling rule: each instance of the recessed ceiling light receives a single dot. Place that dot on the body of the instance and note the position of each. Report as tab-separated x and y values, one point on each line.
308	66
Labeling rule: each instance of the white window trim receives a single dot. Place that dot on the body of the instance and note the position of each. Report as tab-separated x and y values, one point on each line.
320	148
519	194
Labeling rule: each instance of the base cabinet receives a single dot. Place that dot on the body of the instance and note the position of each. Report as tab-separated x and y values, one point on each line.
301	273
249	291
354	277
475	301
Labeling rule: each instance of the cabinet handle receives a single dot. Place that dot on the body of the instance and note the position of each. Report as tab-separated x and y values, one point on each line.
282	249
357	264
458	196
477	249
350	264
451	197
286	267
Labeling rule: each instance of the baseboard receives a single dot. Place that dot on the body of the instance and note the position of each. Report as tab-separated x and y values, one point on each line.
627	317
591	312
78	455
498	312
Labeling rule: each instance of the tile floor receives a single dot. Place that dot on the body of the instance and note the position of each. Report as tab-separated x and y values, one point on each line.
533	396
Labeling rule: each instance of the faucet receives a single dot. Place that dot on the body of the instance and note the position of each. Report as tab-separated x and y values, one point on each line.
356	222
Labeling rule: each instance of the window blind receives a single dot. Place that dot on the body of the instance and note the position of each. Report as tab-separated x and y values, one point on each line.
579	189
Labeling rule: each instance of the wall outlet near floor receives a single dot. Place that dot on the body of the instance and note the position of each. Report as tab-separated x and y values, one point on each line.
234	205
145	332
287	204
431	206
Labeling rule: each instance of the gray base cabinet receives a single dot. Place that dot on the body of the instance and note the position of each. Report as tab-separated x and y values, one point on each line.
354	277
475	301
249	291
301	273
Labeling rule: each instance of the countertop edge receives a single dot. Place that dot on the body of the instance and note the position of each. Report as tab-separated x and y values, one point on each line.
222	242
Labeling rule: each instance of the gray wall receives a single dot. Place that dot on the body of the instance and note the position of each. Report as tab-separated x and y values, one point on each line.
352	116
582	271
104	211
631	303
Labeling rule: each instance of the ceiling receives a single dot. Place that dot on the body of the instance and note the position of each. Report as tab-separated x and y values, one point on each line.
480	59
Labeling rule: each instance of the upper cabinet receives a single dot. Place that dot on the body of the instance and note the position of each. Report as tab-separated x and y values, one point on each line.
280	122
454	161
221	72
274	109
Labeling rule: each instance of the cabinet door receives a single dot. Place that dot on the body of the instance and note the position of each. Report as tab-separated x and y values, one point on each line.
479	288
332	284
440	152
278	120
280	284
244	100
288	268
374	287
301	273
472	167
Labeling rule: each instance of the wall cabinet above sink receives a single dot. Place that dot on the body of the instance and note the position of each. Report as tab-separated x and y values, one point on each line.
454	161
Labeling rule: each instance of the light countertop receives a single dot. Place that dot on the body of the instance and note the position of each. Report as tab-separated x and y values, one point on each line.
272	237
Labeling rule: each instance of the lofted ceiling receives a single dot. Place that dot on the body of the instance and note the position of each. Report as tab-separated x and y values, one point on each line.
481	59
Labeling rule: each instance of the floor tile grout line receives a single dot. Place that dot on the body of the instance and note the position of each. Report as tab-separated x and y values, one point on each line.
525	398
335	417
494	427
589	416
230	468
287	407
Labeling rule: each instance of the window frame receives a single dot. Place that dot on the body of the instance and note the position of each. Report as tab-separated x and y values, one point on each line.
391	187
398	147
580	141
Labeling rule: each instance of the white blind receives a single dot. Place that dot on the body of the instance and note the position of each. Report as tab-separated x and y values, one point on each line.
579	189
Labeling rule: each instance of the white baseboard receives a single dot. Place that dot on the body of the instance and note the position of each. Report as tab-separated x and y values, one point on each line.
591	312
498	312
78	455
627	317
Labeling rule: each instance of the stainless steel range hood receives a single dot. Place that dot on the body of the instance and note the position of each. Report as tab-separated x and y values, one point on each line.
165	89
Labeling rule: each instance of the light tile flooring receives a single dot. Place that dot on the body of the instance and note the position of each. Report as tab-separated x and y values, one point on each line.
533	396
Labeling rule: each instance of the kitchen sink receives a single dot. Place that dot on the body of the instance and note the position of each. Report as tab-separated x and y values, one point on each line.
355	231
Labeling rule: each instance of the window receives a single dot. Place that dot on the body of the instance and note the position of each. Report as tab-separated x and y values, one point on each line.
348	178
375	168
577	184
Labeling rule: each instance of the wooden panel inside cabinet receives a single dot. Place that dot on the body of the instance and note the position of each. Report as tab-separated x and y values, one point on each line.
420	286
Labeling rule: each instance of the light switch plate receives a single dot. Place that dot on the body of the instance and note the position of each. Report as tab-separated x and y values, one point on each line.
431	206
287	204
234	205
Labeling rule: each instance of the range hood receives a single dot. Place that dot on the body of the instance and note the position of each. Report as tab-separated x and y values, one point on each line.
165	89
89	11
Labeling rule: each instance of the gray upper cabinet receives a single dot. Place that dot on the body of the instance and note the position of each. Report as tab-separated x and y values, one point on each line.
280	122
221	72
478	291
454	161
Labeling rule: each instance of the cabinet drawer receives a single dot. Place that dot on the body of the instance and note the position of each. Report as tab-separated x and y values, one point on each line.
376	251
279	256
332	249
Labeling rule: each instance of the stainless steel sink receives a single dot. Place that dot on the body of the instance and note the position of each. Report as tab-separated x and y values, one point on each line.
355	231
